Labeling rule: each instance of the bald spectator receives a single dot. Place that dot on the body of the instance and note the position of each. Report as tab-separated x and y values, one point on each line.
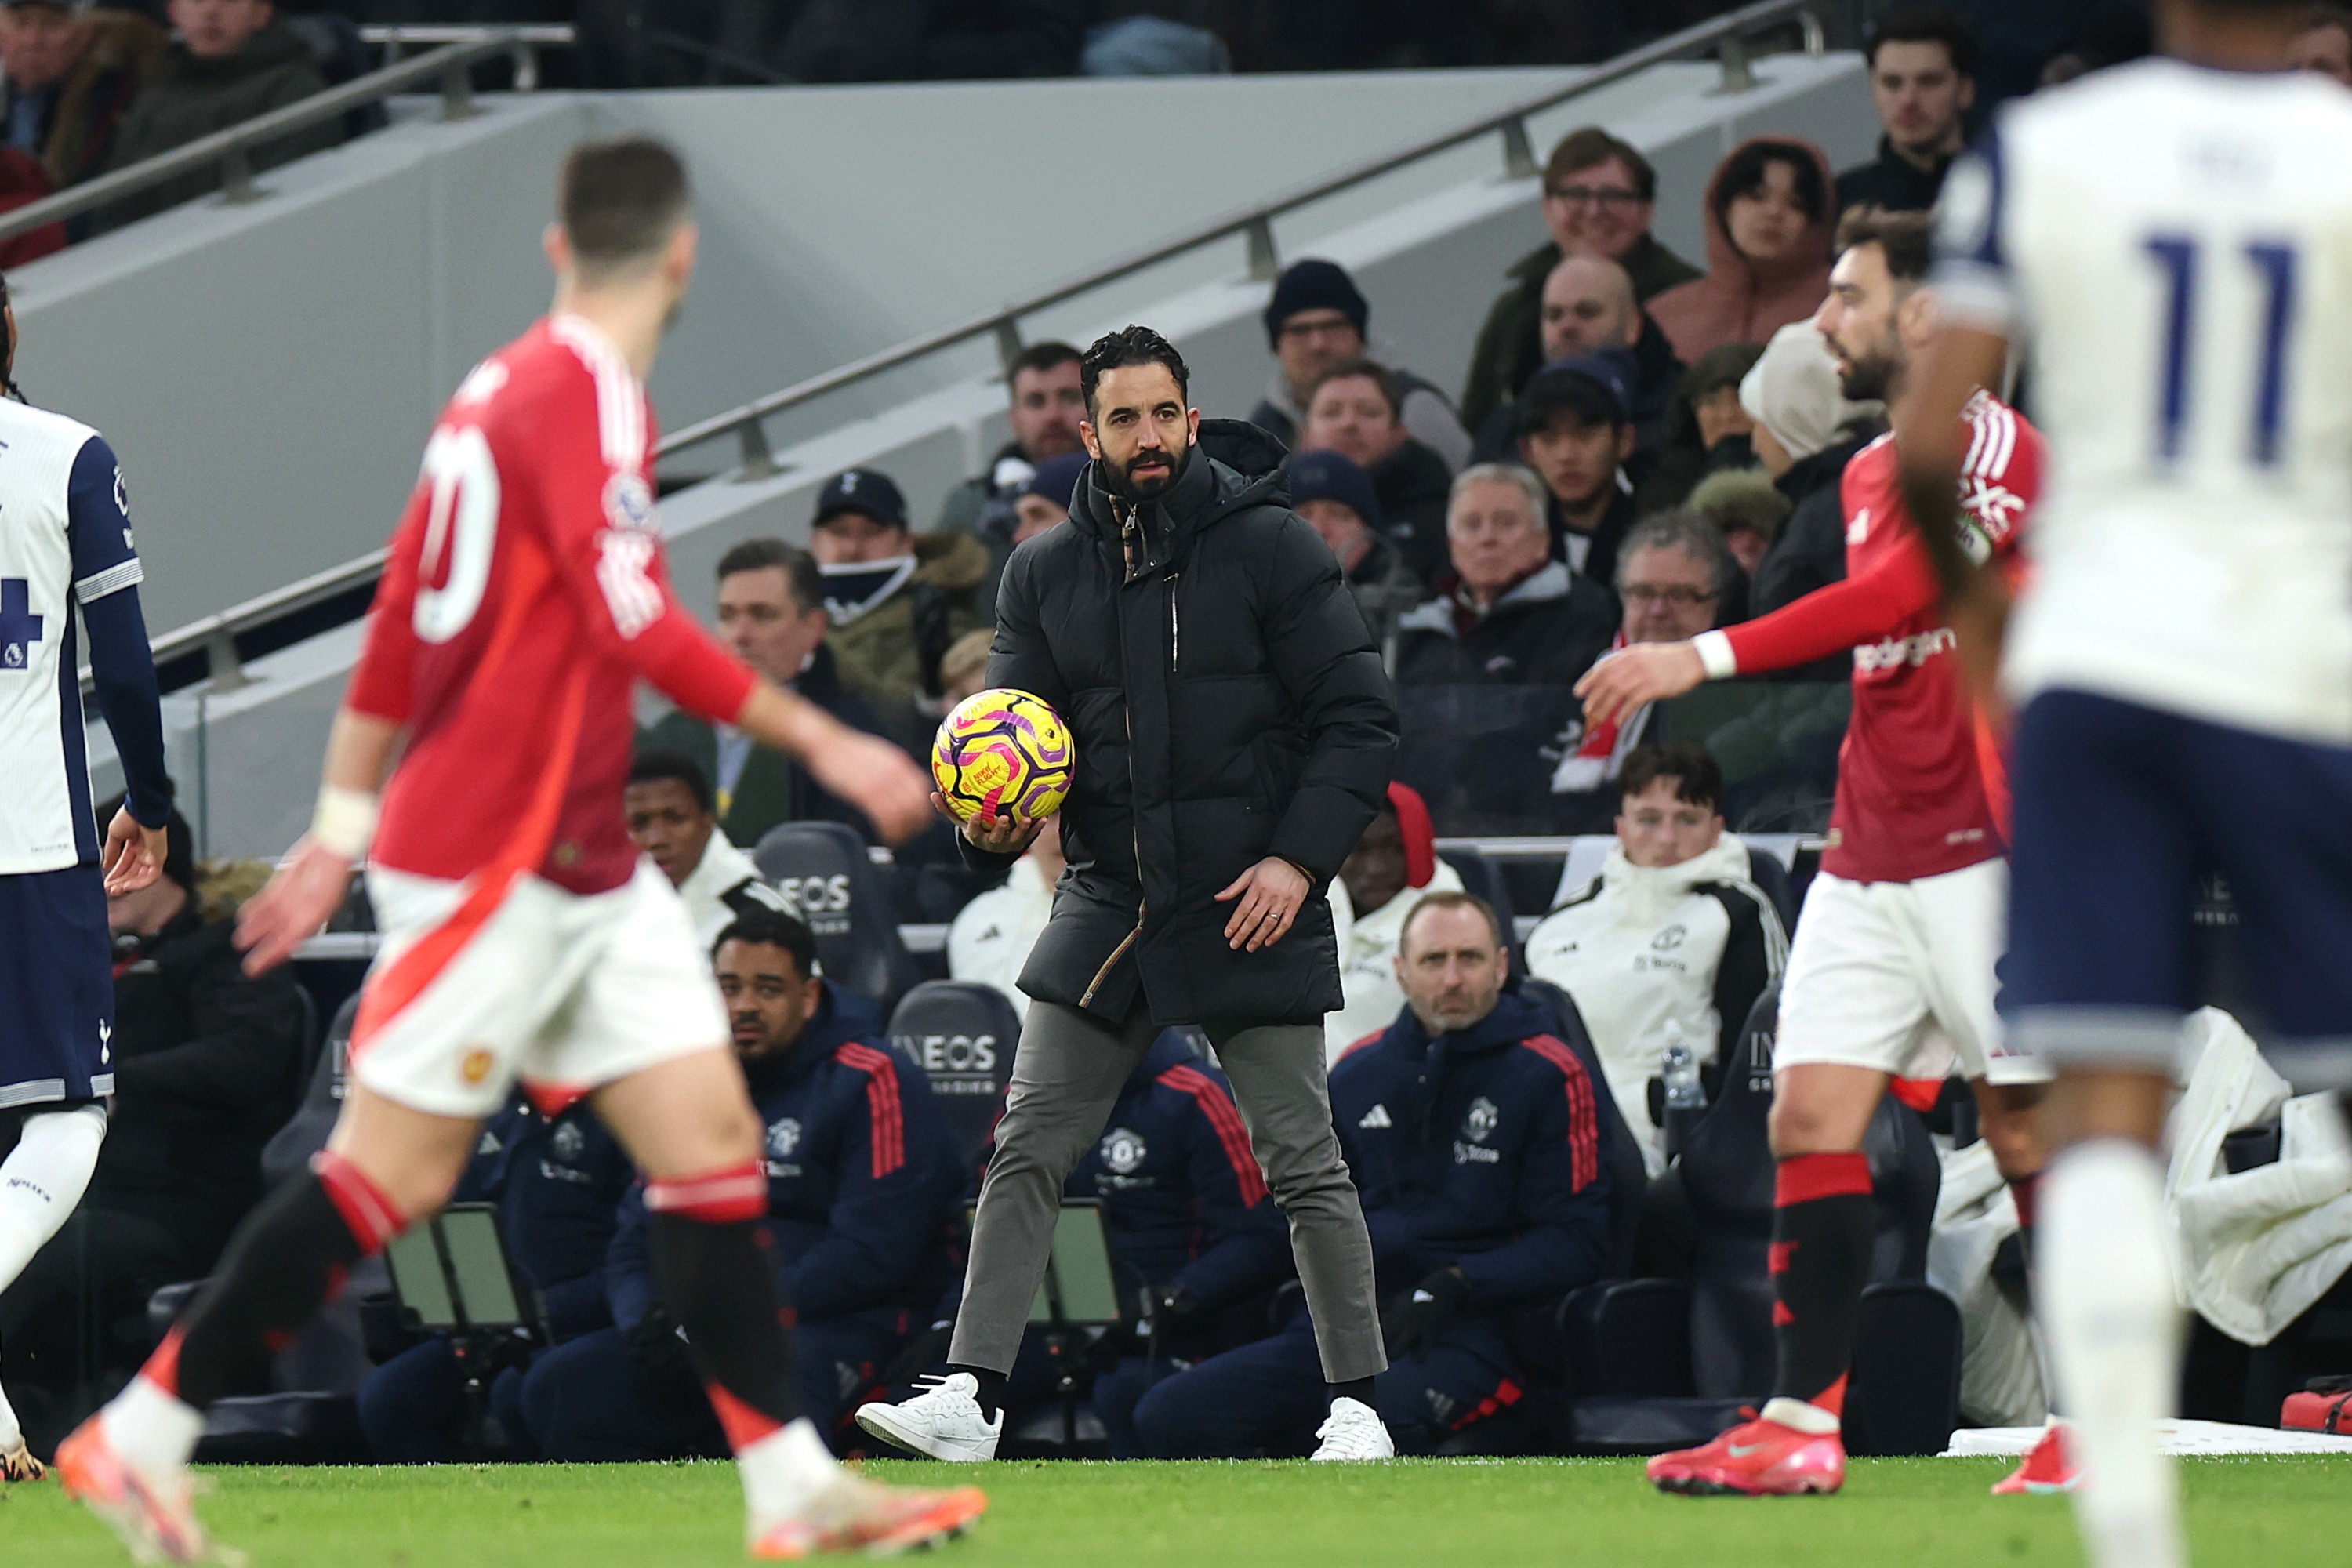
1599	196
1336	498
1922	61
232	61
2324	44
1511	614
1588	308
1356	410
71	72
1317	319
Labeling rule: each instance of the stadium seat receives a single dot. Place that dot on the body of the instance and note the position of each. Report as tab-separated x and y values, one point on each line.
1483	877
1771	878
305	1133
826	875
961	1034
1655	1364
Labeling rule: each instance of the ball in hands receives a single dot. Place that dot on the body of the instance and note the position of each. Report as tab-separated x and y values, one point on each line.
1002	752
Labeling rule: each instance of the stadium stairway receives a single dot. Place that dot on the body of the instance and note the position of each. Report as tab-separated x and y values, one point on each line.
334	316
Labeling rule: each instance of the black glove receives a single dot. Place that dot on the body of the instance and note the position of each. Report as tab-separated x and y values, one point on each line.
1411	1320
658	1348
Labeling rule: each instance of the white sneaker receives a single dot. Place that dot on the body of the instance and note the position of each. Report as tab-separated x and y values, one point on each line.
942	1422
1352	1432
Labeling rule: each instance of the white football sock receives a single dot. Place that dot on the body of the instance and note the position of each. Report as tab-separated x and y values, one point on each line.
2115	1343
40	1182
784	1470
152	1432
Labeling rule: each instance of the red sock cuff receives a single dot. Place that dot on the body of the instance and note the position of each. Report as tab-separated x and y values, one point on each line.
2026	1193
1806	1177
742	1425
162	1368
716	1197
374	1218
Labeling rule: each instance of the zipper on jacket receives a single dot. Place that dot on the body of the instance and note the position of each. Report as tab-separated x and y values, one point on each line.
1116	954
1142	904
1174	642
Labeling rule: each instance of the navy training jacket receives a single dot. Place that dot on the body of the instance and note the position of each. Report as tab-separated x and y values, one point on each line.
863	1174
557	1182
1479	1149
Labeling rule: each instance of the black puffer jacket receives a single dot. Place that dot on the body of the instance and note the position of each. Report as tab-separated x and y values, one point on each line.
1227	704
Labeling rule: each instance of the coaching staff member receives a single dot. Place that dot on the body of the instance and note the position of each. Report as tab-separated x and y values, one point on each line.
1235	734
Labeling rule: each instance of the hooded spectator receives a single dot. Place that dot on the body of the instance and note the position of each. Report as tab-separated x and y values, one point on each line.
1512	614
1599	197
1671	870
1354	409
1769	220
1395	864
1318	318
1806	432
232	62
1338	501
896	599
1922	61
1748	508
71	72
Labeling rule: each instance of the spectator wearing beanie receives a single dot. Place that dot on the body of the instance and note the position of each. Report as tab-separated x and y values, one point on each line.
1394	866
1338	502
1318	318
1769	213
1806	431
1043	500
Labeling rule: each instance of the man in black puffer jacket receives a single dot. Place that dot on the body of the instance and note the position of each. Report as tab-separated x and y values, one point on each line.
1235	734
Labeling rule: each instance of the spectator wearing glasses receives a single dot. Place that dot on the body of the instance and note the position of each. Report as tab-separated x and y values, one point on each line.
1317	319
1599	197
1770	211
1922	82
1673	578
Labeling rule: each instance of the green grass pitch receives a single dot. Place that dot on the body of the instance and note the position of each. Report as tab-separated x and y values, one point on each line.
1902	1513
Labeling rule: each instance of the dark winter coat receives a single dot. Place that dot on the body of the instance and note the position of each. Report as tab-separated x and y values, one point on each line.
189	98
1227	705
1414	487
1546	631
773	787
208	1062
1891	181
81	111
863	1174
1480	1150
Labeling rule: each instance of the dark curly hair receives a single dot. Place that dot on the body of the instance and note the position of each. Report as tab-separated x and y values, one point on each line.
1130	345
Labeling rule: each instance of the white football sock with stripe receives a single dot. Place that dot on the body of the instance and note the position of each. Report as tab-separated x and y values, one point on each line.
2115	1339
40	1182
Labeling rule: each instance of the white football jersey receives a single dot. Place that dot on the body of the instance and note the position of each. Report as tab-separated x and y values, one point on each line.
65	539
2174	244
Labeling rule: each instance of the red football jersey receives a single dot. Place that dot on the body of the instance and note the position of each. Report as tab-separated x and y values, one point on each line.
1918	792
526	594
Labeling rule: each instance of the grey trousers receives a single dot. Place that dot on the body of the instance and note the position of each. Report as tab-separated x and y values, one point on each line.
1066	1077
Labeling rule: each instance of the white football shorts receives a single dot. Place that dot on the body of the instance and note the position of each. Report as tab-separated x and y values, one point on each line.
564	991
1898	976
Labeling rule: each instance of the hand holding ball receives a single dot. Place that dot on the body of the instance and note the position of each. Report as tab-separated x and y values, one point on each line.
1001	756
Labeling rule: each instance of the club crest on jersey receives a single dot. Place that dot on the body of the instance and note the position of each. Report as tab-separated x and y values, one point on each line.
1123	1150
629	503
1480	1124
1669	939
568	1142
122	502
783	1137
475	1066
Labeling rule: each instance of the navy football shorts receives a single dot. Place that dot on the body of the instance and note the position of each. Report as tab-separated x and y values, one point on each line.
57	987
2122	812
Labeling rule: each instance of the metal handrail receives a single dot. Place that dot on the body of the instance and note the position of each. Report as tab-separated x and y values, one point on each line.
527	40
231	150
1727	34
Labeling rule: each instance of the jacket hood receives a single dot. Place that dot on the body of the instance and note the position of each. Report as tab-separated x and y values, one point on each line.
1246	467
1550	582
950	559
1648	892
1812	252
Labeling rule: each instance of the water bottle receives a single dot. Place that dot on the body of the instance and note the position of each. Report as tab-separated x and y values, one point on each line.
1685	1096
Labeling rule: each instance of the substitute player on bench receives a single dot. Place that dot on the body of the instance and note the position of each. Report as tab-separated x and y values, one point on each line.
2174	237
525	595
1894	952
